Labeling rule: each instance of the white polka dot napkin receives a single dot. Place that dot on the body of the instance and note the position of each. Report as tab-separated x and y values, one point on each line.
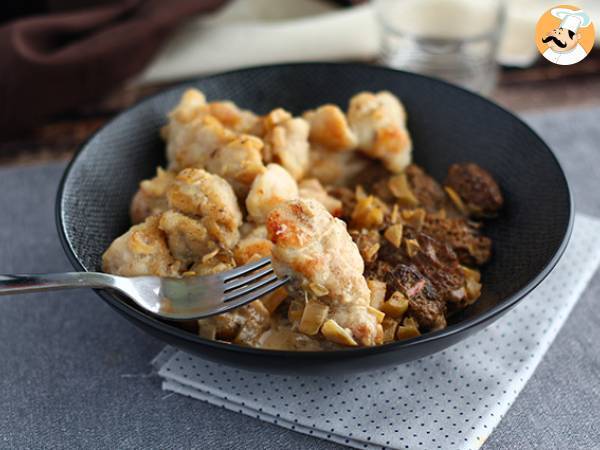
450	400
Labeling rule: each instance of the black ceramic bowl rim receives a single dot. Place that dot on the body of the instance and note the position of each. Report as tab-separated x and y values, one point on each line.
462	326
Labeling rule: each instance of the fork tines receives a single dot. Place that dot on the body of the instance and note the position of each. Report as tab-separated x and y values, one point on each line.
251	281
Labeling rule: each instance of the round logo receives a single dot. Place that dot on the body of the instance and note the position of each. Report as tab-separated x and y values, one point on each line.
564	35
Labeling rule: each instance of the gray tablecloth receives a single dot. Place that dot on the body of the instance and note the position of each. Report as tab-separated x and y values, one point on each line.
75	375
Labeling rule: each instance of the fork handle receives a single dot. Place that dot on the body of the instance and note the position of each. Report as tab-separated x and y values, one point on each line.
22	283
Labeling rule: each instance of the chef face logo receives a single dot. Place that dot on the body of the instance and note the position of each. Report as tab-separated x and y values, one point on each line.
561	40
565	35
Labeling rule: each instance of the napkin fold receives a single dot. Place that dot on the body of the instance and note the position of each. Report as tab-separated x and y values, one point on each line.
53	62
450	400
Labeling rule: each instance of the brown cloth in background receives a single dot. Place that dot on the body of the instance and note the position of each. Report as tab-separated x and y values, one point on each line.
52	63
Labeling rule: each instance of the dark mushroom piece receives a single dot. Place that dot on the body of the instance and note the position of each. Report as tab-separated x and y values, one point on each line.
476	188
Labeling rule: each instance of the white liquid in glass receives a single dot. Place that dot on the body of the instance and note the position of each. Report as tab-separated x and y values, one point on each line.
456	40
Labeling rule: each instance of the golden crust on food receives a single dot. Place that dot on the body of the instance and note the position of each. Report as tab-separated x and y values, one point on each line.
191	105
329	128
286	142
272	187
379	122
151	197
190	144
239	162
142	250
314	249
236	119
253	246
187	237
196	129
210	198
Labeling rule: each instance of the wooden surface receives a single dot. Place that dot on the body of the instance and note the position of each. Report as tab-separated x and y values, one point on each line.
543	86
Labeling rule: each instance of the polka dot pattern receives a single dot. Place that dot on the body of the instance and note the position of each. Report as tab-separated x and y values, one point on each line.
450	400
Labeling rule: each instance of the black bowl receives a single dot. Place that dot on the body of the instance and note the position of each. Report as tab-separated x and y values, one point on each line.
448	125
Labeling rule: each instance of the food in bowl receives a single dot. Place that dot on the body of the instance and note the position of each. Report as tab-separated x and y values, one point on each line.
376	249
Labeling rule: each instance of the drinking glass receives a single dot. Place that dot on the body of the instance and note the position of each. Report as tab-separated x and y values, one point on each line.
456	40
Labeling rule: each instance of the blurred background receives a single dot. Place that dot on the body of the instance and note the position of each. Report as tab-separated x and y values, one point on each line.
68	66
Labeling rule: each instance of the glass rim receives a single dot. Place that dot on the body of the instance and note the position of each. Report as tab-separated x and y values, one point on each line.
494	32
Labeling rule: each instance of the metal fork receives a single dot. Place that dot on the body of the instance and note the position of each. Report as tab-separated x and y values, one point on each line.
171	298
